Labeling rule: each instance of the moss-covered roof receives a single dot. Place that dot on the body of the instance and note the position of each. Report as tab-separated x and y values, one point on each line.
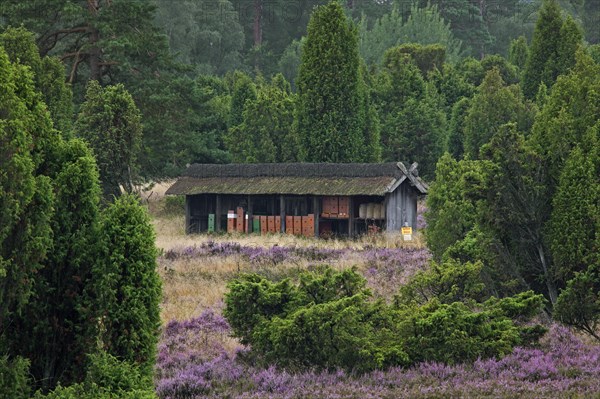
296	179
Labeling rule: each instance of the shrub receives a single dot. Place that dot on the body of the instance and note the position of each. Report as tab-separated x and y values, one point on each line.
328	321
14	378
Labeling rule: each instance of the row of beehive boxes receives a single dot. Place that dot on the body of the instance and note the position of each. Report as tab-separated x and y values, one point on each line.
336	207
238	221
371	211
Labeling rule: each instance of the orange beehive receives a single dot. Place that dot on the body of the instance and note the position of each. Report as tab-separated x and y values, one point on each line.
343	207
308	225
230	221
271	223
264	227
278	224
297	225
330	206
289	225
240	220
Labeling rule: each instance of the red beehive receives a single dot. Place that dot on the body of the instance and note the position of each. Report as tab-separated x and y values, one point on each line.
240	220
278	224
264	227
289	225
271	223
230	221
297	225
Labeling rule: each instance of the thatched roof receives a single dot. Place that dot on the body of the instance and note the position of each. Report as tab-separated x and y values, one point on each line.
296	179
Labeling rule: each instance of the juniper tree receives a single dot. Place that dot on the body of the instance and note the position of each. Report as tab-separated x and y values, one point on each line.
111	123
330	118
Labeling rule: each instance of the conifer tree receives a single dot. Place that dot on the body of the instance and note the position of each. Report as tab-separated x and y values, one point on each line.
330	118
574	218
553	48
125	290
493	106
266	129
111	123
456	137
518	52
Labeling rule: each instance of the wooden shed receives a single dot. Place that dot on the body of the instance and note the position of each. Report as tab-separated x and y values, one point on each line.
311	199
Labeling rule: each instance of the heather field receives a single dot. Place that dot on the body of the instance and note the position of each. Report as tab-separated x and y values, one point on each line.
198	358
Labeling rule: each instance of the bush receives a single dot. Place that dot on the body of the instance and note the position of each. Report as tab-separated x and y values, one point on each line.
107	378
328	321
14	378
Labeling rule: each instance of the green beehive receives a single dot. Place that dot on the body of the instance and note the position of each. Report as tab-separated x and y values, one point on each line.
211	223
256	225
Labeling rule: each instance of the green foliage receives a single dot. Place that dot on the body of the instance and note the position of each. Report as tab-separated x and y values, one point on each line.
327	320
452	212
466	23
107	378
204	33
427	58
265	134
575	213
411	113
190	116
289	63
451	85
330	112
111	123
448	282
453	333
65	273
125	289
518	52
579	303
493	106
14	378
456	137
553	48
26	198
570	111
48	75
424	26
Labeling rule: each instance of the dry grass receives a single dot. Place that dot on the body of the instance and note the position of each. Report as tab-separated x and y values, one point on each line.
192	285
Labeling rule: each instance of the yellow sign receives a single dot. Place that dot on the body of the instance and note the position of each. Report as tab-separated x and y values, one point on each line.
407	231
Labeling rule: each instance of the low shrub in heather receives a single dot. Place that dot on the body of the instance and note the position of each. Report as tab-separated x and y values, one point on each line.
560	366
328	321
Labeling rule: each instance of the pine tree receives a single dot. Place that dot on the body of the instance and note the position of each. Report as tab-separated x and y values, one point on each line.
570	40
111	123
125	289
330	120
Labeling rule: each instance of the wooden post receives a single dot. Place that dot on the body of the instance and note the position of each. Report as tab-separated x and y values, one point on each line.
188	214
317	212
282	213
350	216
218	213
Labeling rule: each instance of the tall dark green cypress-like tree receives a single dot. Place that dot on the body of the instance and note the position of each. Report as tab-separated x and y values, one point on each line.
552	53
125	289
544	47
55	341
574	219
329	115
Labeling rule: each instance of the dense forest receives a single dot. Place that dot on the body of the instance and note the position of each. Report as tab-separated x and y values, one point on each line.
498	102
